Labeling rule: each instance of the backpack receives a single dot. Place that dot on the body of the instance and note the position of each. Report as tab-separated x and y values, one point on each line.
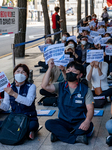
48	101
13	129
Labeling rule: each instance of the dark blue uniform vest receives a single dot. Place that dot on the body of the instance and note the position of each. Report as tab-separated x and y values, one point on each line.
72	108
21	108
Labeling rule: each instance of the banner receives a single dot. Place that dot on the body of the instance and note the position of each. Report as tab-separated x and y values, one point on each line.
109	30
41	47
84	28
108	50
55	51
4	82
72	38
94	55
94	34
92	24
8	20
101	23
101	31
97	40
104	40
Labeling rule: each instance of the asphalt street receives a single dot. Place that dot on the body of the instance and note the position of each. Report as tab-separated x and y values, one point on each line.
34	30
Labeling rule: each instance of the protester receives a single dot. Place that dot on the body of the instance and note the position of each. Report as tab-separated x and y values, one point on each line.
105	15
48	41
64	37
87	20
21	96
56	24
97	75
75	105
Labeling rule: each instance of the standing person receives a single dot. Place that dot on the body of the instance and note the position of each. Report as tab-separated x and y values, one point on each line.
56	24
75	103
105	15
21	97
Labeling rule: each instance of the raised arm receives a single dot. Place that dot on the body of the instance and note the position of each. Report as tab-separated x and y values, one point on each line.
45	82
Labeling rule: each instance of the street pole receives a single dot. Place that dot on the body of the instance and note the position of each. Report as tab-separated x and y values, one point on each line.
86	8
78	11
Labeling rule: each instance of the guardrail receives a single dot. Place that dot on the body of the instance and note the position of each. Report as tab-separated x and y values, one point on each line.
24	43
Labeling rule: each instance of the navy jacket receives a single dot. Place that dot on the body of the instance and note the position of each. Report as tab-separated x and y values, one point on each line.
21	108
72	108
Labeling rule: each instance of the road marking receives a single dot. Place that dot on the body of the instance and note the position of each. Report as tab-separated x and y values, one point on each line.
25	49
34	36
2	36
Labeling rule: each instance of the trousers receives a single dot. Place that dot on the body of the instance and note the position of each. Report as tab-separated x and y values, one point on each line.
64	131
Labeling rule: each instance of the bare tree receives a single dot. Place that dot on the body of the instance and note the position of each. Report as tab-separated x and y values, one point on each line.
20	37
4	2
63	15
46	17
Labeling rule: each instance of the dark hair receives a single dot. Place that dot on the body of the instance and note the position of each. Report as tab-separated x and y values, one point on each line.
75	44
56	8
76	65
109	41
84	37
25	68
67	34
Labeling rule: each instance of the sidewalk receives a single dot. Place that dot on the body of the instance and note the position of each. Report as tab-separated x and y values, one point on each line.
42	140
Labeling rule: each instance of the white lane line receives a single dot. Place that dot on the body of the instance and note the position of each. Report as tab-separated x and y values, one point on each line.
3	36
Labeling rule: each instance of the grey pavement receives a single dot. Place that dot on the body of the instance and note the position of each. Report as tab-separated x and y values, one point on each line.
42	139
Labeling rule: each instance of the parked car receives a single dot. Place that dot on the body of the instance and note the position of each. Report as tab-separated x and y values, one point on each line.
70	11
109	10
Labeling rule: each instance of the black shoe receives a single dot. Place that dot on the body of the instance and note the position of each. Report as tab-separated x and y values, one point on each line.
53	138
82	139
43	70
109	140
36	66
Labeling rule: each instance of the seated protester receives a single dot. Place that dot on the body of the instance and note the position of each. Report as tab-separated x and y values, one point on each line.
108	59
49	40
64	37
84	46
97	75
94	17
21	97
87	20
75	103
109	129
77	53
42	63
107	34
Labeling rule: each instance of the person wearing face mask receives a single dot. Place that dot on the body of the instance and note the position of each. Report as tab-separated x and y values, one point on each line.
97	75
21	97
76	52
75	105
84	46
64	37
105	15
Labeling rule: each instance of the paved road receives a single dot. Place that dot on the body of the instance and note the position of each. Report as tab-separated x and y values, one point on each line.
34	31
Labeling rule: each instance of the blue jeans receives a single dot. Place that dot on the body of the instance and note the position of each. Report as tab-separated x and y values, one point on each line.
109	126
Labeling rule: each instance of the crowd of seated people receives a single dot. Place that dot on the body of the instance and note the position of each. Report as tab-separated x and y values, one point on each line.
74	98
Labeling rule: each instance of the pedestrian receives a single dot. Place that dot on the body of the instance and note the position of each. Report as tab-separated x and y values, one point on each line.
56	24
105	15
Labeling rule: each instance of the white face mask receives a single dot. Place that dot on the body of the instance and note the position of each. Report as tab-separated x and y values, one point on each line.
64	38
72	45
83	42
93	17
20	77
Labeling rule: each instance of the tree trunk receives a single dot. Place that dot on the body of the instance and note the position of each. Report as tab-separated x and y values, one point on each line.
63	15
78	10
46	17
20	37
4	3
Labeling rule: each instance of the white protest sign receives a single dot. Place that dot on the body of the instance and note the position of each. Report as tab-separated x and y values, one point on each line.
94	33
90	39
94	55
63	62
108	50
4	82
97	40
109	30
92	23
9	20
101	31
72	38
104	40
41	47
55	51
101	23
84	28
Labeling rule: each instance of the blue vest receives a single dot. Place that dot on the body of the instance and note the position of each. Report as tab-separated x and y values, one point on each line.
72	108
21	108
